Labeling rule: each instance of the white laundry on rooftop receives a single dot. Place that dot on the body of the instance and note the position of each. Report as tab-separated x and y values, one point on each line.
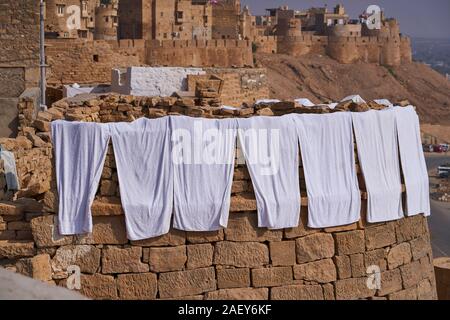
305	102
384	102
355	98
267	101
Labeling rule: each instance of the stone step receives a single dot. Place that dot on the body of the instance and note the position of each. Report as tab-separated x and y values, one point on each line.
10	249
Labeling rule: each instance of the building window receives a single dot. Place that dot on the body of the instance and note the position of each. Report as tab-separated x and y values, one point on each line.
180	15
66	35
165	35
106	19
95	58
60	9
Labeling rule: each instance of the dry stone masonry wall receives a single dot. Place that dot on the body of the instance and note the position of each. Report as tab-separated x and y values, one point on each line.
240	262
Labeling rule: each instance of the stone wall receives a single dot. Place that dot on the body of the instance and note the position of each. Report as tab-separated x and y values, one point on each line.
200	53
240	262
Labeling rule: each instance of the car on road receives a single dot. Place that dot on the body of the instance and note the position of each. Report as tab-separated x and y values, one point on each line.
427	148
444	171
438	148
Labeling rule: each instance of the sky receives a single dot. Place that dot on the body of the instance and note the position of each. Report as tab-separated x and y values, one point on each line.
418	18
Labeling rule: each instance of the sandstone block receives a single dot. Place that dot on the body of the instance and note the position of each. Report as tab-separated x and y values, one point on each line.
411	274
376	257
37	267
350	242
98	286
173	238
233	278
354	288
127	260
241	254
408	294
272	277
16	249
380	236
420	247
167	259
358	266
244	227
142	286
297	292
322	271
109	230
11	209
343	266
205	237
391	281
314	247
282	253
328	291
410	228
199	256
46	234
425	290
239	294
186	283
399	255
86	257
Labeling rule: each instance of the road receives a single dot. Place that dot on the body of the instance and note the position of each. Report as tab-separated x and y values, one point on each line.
439	221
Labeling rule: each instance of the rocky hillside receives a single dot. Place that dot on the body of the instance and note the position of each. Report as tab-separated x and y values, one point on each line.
320	79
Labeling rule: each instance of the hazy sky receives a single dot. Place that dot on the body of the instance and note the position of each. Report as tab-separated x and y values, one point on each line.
418	18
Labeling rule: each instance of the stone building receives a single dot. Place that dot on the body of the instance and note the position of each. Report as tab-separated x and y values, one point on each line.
70	18
179	19
106	21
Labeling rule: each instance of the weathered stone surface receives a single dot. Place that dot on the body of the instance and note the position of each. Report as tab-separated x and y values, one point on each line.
199	256
314	247
380	236
377	258
86	257
411	274
399	255
242	202
238	294
358	267
348	227
322	271
426	268
282	253
19	226
173	238
420	247
98	286
100	208
244	227
354	288
167	259
46	234
391	281
350	242
328	291
302	229
11	209
343	266
233	278
109	230
297	292
205	237
37	267
410	228
16	249
142	286
127	260
186	283
425	290
272	277
244	254
408	294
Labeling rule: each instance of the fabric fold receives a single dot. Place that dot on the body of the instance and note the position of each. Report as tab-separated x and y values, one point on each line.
376	138
413	162
145	171
327	150
203	157
270	148
80	151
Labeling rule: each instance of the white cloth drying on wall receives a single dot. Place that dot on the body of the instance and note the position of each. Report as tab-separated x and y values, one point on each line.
267	101
384	102
305	102
145	171
355	99
203	156
270	147
413	162
328	157
376	137
80	151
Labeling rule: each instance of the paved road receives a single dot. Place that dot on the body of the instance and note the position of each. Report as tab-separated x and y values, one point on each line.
439	221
